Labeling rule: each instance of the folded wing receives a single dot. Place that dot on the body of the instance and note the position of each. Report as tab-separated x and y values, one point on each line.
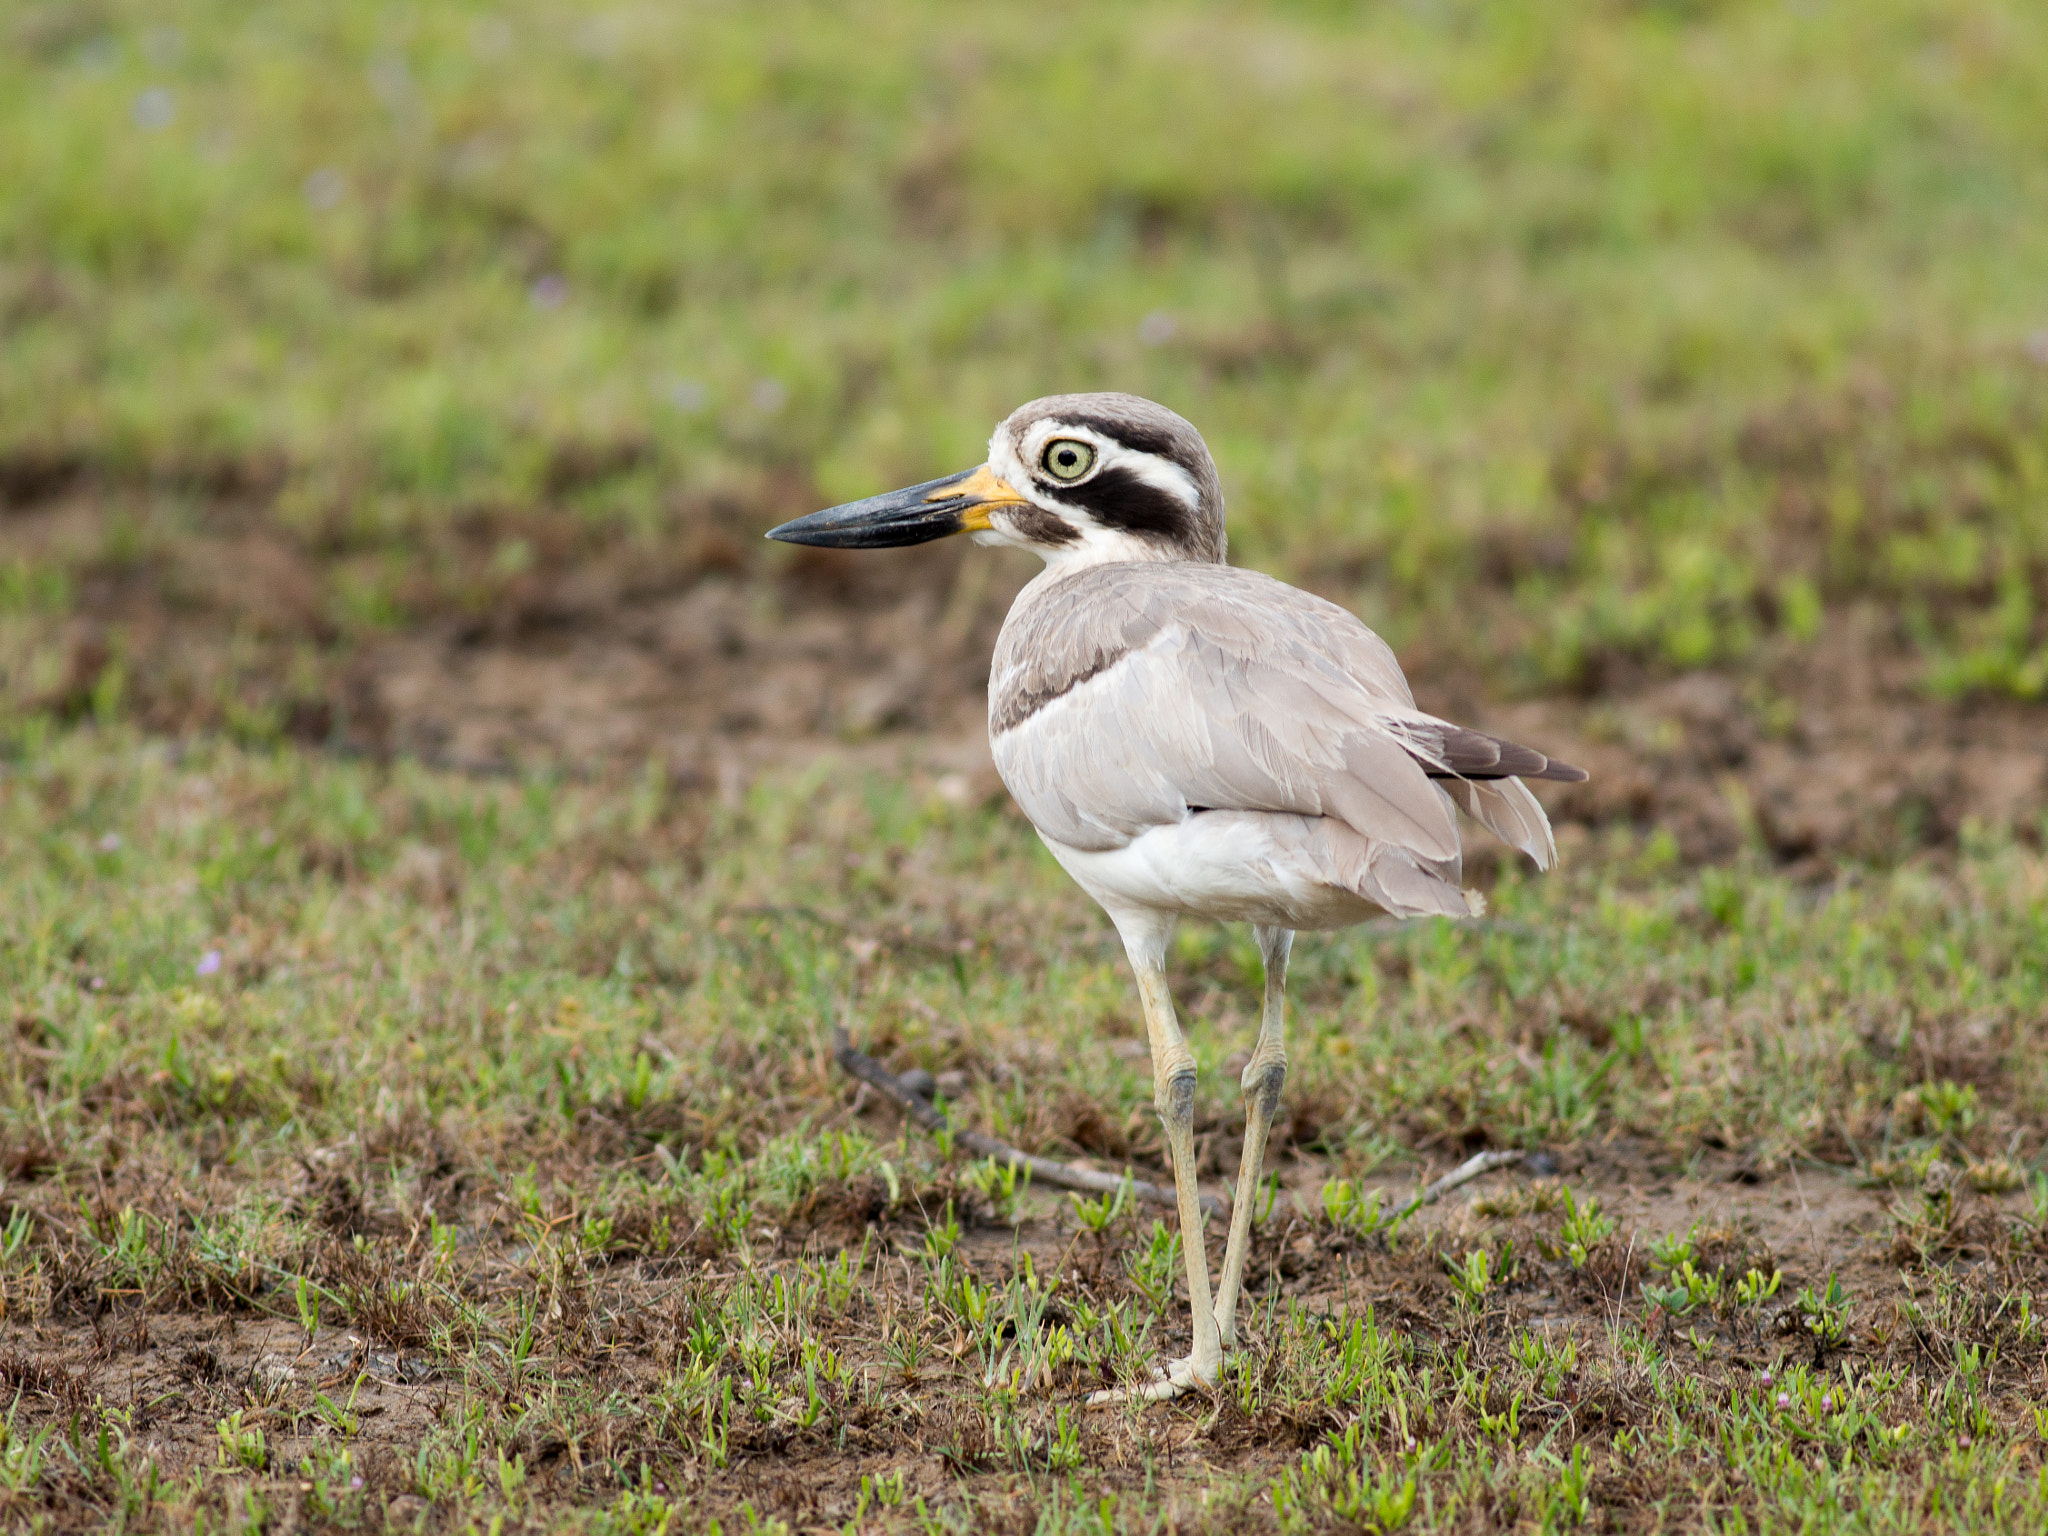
1126	696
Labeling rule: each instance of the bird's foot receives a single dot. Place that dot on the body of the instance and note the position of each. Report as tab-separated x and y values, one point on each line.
1183	1375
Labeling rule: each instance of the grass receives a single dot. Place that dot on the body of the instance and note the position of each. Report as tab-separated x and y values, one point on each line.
386	1148
389	1149
1563	338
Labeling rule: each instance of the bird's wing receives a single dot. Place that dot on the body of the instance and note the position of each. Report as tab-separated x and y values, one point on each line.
1125	695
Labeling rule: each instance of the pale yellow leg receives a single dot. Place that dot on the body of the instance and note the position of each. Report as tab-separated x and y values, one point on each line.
1264	1076
1173	1091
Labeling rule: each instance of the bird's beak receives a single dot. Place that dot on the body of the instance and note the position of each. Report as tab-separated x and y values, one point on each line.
956	504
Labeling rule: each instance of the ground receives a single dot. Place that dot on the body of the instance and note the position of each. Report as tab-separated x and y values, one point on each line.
439	836
396	1148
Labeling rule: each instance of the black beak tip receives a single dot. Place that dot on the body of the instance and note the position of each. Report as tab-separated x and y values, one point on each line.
818	532
811	529
884	523
917	514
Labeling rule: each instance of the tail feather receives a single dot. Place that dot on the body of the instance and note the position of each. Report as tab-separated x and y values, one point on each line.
1399	883
1506	809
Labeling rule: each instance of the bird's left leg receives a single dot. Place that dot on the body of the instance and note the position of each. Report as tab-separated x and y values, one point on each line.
1263	1079
1173	1091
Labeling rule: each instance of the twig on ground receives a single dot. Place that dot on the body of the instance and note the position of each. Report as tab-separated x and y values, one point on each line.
1473	1167
1043	1170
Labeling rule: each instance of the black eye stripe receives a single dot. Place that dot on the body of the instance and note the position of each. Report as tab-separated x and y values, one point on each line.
1117	498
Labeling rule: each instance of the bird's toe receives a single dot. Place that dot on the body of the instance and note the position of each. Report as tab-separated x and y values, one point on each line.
1183	1375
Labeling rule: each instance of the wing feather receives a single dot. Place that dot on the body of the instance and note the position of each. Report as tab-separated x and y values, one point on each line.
1124	696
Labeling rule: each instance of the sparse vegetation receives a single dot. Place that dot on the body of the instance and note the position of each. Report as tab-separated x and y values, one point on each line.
391	389
363	1171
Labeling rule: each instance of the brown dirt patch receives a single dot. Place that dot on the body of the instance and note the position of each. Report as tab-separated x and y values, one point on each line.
168	1374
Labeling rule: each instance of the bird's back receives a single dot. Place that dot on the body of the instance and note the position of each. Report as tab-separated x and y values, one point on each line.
1068	628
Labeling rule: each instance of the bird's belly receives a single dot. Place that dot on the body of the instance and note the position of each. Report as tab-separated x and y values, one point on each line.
1229	866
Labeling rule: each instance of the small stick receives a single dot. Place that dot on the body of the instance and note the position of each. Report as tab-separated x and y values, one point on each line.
1473	1167
1043	1170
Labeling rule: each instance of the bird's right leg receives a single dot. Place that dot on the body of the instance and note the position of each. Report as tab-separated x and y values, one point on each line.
1263	1079
1173	1091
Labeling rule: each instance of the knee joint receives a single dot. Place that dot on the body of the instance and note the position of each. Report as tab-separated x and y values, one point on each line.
1263	1080
1175	1097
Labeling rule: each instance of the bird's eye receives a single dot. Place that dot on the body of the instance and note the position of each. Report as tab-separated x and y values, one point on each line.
1066	459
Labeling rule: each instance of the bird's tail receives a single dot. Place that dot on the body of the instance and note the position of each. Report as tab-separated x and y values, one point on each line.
1506	809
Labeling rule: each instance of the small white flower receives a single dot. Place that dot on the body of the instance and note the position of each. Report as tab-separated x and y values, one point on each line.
324	188
1158	328
686	395
154	109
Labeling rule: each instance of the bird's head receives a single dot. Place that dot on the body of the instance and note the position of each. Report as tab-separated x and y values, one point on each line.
1076	479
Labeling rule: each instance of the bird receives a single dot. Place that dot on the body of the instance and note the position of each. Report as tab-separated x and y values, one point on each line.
1196	739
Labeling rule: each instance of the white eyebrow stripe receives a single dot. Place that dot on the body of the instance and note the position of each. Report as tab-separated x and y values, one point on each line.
1161	474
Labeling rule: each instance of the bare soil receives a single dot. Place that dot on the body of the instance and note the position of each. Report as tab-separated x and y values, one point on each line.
176	1371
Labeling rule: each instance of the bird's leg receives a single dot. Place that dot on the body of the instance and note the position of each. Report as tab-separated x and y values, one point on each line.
1263	1078
1173	1091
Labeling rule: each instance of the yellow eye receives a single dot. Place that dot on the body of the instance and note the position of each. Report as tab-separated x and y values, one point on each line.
1067	459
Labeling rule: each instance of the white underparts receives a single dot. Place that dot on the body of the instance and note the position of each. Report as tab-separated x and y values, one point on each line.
1299	872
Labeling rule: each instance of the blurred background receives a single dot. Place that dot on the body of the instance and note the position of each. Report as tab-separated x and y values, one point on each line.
1667	379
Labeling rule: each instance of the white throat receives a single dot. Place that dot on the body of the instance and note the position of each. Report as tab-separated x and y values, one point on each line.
1095	546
